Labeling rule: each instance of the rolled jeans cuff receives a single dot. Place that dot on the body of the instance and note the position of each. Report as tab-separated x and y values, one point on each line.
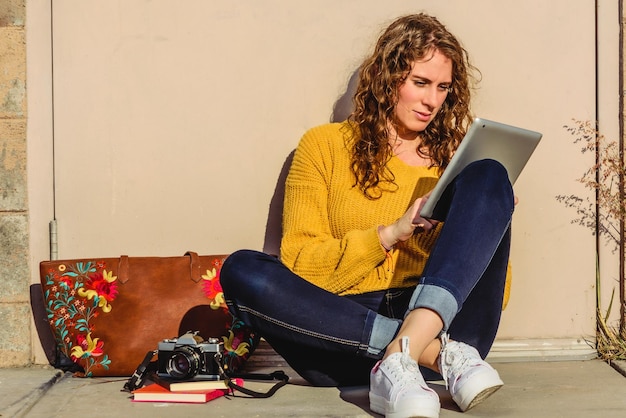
436	299
383	331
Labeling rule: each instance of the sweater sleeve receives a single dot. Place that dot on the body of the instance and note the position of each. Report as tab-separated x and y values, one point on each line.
308	247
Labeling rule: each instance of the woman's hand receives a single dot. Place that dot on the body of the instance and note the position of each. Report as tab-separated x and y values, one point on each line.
410	223
421	224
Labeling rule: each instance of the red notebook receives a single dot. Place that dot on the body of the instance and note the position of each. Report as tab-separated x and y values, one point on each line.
157	393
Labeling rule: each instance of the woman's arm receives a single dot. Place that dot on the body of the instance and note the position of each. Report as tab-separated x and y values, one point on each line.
308	246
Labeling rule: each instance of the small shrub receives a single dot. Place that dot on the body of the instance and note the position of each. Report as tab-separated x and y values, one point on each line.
606	178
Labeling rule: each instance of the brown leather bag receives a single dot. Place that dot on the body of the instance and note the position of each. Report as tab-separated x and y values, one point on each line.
107	313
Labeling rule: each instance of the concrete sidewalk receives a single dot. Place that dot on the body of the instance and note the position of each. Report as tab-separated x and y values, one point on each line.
532	389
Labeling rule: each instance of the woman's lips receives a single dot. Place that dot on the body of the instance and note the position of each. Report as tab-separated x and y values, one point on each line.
424	117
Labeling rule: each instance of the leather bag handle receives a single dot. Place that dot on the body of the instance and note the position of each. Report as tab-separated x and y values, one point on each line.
195	271
194	266
123	269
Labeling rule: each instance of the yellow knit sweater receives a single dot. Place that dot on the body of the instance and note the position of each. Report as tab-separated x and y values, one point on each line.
330	233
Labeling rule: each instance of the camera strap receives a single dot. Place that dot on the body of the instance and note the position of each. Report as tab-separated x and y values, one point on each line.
230	382
278	375
145	369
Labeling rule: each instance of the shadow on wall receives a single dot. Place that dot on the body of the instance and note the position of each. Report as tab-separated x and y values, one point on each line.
274	225
273	228
343	106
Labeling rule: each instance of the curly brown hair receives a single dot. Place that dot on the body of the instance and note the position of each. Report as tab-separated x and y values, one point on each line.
406	40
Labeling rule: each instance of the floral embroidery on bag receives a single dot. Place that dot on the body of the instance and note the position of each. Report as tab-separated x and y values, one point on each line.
213	289
238	344
240	340
87	347
77	294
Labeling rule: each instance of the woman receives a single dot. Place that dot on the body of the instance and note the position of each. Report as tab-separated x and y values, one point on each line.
360	275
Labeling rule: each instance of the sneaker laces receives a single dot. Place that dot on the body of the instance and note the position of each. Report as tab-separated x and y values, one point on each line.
408	364
453	362
406	359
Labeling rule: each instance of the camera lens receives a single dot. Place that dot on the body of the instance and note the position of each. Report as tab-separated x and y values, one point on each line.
184	363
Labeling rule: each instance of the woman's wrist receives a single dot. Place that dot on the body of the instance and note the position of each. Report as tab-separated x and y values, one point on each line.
385	236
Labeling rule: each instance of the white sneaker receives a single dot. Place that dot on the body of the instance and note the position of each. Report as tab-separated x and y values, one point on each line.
397	388
469	378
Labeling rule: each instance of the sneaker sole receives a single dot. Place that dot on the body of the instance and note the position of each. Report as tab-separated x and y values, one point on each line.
482	396
480	387
382	406
486	384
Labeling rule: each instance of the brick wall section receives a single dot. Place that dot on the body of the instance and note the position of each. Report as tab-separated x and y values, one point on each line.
15	335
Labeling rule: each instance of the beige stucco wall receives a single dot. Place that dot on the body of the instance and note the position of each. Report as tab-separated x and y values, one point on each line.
172	123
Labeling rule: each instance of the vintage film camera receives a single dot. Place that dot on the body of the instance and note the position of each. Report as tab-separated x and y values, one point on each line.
190	357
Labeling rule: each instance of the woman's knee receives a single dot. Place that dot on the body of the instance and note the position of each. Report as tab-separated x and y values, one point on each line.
489	174
245	271
487	169
236	268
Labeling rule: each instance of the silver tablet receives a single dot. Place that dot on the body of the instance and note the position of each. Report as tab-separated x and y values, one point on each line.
485	139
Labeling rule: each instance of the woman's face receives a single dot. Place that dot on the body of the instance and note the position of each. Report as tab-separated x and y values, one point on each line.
422	94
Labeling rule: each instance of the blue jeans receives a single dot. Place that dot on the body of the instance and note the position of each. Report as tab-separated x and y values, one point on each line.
333	340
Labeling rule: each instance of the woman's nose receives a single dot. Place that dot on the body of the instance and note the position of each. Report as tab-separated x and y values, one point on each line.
433	96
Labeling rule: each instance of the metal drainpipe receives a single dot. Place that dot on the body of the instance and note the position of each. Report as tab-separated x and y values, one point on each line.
54	248
622	191
622	194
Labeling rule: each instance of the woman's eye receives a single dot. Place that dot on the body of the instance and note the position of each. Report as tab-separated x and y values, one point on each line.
444	87
419	83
